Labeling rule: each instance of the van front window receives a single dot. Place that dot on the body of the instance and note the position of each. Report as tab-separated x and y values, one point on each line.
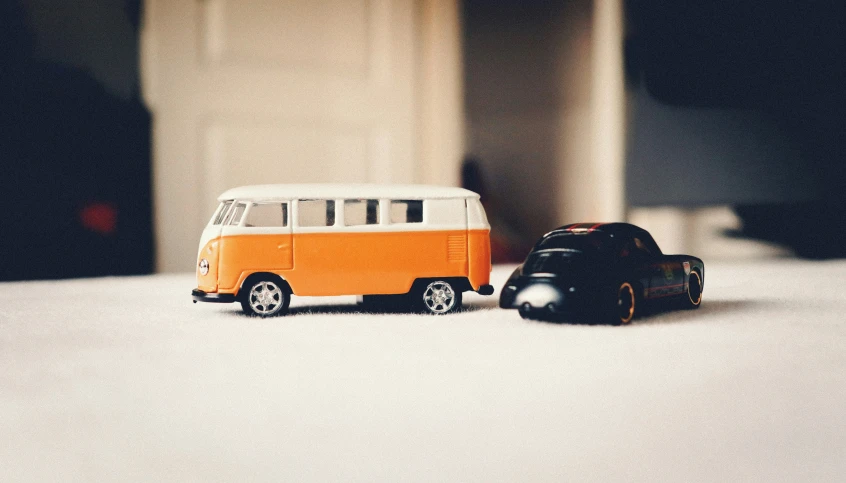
220	214
237	213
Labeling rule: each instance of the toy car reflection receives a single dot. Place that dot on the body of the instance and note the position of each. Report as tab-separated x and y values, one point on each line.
601	272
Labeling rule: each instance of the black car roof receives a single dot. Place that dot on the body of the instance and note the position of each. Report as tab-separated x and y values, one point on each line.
609	228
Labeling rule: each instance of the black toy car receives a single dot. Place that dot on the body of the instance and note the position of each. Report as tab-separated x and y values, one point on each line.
600	272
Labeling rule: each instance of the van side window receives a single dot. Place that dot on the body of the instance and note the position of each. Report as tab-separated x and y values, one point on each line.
221	212
237	213
406	211
267	214
316	213
361	212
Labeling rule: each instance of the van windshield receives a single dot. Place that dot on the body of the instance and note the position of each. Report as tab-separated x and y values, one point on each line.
221	212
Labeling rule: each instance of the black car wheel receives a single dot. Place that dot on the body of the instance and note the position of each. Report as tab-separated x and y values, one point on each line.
624	311
694	290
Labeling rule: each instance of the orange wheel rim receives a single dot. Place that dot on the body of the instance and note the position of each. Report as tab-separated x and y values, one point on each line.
699	289
626	302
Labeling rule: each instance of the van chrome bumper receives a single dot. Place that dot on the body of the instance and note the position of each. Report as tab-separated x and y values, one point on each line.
200	296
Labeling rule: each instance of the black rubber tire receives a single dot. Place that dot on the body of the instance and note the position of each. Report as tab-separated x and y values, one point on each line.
526	312
693	297
421	292
625	304
251	292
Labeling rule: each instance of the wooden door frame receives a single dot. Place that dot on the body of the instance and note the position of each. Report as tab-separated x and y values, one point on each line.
440	93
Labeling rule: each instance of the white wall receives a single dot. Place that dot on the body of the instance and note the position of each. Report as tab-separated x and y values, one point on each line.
247	92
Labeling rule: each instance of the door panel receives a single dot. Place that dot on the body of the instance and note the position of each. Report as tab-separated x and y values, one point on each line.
330	35
251	250
246	253
666	278
260	242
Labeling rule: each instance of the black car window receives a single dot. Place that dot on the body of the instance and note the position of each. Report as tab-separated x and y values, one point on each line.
589	243
648	243
641	247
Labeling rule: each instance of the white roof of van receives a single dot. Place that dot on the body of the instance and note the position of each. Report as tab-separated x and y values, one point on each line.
345	191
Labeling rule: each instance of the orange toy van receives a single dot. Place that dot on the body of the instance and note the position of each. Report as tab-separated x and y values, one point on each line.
265	243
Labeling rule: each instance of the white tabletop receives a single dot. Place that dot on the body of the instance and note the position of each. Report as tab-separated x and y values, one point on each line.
126	379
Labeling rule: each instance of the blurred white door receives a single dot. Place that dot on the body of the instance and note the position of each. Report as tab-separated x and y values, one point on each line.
252	91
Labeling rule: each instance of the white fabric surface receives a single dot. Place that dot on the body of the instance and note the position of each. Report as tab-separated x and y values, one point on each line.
126	379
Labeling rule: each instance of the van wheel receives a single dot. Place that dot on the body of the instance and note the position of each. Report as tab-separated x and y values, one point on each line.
266	297
439	297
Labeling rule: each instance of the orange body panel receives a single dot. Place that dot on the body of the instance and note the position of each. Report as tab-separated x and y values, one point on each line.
241	255
479	244
208	282
355	263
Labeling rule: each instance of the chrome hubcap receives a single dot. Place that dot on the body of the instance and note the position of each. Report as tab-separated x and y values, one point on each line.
439	297
265	298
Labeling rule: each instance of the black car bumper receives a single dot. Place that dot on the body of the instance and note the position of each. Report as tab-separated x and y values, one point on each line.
538	297
532	296
200	296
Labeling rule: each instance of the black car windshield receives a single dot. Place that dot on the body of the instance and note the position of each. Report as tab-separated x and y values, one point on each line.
587	243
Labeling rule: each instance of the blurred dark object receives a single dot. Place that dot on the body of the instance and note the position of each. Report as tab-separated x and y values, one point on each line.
814	230
506	246
75	167
742	103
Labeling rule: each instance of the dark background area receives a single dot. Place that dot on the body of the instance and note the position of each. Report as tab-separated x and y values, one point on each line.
74	141
742	103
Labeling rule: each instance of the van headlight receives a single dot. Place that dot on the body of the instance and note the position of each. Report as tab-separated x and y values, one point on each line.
204	266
